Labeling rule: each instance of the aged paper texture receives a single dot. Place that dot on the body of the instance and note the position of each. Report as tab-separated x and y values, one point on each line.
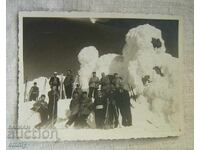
126	87
183	8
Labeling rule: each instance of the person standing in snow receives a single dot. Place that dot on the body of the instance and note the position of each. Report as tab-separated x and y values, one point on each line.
100	109
93	85
54	81
84	111
104	82
68	83
74	109
34	92
41	106
52	105
123	103
112	107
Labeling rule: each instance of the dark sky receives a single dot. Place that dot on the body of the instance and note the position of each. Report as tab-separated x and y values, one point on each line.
52	44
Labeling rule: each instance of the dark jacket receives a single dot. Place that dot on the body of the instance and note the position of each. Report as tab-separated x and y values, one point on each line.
74	106
86	106
54	81
105	82
94	82
34	90
69	80
78	90
40	106
111	95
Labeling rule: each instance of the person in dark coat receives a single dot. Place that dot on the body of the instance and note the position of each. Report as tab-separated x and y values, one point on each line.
54	81
104	82
93	85
84	111
41	106
78	90
74	109
112	107
52	105
34	92
68	83
123	103
100	109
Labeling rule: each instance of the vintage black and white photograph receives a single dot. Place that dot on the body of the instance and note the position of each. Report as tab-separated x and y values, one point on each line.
91	76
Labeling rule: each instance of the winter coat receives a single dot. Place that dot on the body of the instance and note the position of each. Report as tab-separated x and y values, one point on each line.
74	106
85	106
54	81
34	91
111	95
117	82
69	80
105	82
40	106
94	82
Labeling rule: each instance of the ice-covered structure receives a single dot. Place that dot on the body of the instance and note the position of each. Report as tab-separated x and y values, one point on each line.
145	65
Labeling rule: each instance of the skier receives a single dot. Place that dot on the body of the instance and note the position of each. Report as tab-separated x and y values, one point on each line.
41	106
112	107
34	92
123	103
93	85
104	82
74	109
54	81
68	83
78	90
52	105
100	109
84	111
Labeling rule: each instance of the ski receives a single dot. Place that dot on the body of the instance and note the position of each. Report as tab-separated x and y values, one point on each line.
62	93
25	91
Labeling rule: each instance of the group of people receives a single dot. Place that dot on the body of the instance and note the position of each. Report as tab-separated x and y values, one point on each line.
107	98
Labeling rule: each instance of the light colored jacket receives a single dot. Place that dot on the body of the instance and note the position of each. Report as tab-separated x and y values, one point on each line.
94	82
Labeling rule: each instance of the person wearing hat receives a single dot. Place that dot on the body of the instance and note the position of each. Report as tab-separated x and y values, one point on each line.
34	92
93	85
68	83
54	81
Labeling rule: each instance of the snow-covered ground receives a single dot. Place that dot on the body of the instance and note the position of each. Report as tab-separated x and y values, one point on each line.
145	124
